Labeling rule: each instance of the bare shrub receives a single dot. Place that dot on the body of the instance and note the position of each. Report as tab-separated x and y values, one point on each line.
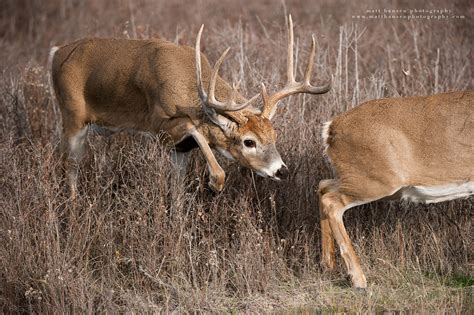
138	241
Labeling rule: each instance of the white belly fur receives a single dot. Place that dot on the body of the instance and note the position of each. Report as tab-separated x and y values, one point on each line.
435	194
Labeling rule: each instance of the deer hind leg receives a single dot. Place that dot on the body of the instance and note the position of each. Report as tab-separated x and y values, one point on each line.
73	147
334	205
327	239
181	159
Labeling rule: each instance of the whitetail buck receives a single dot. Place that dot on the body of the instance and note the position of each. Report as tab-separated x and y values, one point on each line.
415	148
157	86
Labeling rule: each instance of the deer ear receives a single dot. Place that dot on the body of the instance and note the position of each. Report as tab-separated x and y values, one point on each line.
227	125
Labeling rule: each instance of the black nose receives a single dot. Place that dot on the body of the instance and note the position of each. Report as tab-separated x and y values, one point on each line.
282	173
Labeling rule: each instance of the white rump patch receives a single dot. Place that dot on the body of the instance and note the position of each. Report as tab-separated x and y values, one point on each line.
325	133
435	194
52	51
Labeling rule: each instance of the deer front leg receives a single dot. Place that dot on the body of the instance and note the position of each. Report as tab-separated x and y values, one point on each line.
178	129
216	173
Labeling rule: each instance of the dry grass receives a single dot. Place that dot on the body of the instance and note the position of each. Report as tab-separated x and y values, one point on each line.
137	241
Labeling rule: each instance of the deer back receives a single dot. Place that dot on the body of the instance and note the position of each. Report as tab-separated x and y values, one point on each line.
391	143
130	83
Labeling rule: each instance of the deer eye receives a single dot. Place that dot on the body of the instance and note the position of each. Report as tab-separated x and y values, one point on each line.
250	143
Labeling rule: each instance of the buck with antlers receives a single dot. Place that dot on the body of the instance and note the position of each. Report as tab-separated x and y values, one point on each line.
415	148
157	86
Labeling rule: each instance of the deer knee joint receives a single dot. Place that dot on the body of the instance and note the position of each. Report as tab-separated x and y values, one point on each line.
332	207
325	186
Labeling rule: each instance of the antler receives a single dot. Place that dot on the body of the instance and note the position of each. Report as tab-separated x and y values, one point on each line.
209	101
292	86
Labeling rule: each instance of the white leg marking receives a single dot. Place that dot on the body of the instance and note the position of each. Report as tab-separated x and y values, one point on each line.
76	144
180	159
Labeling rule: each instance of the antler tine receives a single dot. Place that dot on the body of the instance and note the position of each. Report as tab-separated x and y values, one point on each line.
215	71
292	86
210	100
201	91
307	76
289	60
309	67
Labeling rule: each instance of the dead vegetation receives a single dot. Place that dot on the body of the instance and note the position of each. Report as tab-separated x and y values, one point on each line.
137	241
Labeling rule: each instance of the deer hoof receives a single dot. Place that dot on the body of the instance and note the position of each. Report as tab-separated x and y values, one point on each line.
359	283
217	183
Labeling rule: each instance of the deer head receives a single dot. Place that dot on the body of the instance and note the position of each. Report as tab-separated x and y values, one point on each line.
247	134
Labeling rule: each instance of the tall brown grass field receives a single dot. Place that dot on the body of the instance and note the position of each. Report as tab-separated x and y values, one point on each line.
138	240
